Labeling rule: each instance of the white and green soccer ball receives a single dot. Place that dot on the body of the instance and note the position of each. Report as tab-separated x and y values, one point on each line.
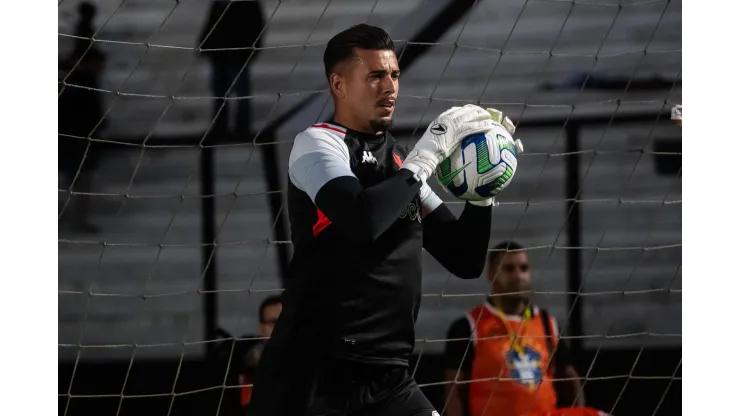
482	166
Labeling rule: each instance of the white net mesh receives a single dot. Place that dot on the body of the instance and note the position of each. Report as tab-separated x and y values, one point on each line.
134	289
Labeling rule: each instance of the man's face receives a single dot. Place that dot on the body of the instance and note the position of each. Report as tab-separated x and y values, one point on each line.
511	276
269	317
369	87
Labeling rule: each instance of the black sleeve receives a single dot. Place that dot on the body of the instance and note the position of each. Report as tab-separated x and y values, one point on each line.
363	215
459	244
562	357
458	341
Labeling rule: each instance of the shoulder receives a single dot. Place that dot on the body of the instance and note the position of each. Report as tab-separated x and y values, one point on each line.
320	138
477	312
460	328
319	154
464	326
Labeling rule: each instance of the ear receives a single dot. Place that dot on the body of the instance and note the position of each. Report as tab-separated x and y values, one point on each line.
336	83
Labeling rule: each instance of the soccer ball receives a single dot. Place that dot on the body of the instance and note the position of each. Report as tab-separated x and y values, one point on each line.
481	167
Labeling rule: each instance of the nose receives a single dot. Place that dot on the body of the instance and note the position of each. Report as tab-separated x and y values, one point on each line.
389	85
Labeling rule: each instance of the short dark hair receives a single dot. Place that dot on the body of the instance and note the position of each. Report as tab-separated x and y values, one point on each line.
342	46
268	301
87	9
501	248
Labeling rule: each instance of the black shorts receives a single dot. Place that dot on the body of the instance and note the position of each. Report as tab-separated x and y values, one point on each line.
334	388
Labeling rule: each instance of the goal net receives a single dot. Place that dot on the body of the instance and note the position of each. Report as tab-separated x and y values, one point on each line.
167	232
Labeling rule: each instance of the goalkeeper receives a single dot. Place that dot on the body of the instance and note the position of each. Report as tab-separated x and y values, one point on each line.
360	213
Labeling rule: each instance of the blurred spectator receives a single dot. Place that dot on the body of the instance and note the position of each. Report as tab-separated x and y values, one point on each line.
81	114
236	26
511	346
247	352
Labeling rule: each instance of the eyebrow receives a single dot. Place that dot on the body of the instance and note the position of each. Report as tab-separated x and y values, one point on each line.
384	71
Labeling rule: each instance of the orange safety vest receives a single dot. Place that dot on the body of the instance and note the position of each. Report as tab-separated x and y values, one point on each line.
510	376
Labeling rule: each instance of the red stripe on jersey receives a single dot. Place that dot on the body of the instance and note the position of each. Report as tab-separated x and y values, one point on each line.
246	391
329	127
398	160
321	223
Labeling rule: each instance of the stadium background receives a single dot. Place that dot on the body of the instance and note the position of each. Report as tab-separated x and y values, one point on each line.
597	197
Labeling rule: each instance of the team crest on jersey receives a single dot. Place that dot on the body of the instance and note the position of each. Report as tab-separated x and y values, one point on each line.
412	211
525	366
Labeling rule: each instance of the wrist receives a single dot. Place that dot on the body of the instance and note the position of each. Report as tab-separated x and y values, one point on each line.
422	163
420	174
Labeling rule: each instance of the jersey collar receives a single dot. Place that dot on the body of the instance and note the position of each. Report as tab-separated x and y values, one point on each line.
529	313
366	137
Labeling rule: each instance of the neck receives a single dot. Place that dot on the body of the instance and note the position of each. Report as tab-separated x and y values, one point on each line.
345	120
509	306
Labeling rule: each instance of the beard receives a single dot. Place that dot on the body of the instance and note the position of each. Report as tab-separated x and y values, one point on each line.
380	125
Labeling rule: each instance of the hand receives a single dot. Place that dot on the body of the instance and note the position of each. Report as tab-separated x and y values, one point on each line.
443	135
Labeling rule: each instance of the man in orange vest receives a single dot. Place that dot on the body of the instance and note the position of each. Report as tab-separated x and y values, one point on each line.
502	357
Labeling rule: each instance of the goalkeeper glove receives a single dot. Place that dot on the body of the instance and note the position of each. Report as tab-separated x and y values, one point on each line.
443	135
499	118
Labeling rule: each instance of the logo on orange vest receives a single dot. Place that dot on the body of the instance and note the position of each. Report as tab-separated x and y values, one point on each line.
525	366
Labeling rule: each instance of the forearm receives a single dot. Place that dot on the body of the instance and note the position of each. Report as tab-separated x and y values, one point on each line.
461	244
569	389
363	215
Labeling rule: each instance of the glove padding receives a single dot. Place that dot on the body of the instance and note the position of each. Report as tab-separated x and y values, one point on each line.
443	135
498	117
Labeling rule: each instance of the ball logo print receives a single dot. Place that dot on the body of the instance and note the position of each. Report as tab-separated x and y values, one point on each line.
438	129
445	180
